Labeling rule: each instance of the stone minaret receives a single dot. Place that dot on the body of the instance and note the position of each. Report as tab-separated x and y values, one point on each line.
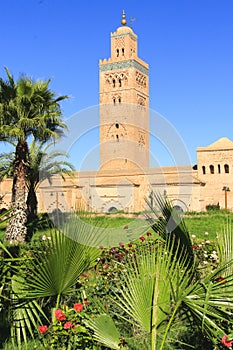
124	104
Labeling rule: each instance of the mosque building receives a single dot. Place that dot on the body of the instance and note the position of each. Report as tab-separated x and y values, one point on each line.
125	177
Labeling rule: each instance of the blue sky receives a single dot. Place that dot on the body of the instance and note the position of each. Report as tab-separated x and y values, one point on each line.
188	45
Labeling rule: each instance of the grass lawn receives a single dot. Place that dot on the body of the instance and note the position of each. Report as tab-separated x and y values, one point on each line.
116	229
213	223
123	229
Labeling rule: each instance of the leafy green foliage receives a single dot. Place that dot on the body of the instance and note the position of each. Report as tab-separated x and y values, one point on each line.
143	294
20	315
45	274
213	207
163	286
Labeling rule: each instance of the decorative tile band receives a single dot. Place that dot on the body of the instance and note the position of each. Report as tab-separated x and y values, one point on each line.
122	65
125	34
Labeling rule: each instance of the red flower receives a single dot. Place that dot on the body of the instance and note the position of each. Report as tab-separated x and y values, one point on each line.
142	239
60	316
121	244
43	329
68	325
194	246
220	279
119	257
227	343
113	250
78	307
85	302
126	227
105	267
101	247
129	245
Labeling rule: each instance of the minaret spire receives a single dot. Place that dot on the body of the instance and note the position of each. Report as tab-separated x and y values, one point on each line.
123	20
124	104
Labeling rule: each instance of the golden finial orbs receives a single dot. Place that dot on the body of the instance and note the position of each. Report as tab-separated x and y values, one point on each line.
123	20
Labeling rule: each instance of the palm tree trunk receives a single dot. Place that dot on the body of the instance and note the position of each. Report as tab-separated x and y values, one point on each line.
31	203
16	230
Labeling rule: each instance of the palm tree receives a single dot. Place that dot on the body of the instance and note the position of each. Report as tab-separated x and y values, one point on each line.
27	108
43	164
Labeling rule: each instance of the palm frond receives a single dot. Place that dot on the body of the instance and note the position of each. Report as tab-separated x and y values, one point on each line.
225	246
169	224
44	163
105	331
6	165
211	301
24	318
152	289
10	77
56	271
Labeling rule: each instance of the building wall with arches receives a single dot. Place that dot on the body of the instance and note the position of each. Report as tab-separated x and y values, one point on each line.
186	187
215	170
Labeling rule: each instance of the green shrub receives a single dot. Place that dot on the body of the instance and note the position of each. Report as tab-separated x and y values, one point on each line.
213	207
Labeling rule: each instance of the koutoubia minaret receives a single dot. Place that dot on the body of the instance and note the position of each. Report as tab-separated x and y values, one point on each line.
124	104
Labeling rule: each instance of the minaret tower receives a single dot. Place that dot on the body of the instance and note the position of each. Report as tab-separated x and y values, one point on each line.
124	104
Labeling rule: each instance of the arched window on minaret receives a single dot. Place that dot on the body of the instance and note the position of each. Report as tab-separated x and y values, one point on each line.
219	169
203	170
117	52
211	169
123	51
119	82
114	83
117	138
226	168
114	100
119	99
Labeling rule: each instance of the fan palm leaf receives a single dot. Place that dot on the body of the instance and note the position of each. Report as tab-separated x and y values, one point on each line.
24	317
22	314
168	223
56	270
151	291
225	246
210	300
105	331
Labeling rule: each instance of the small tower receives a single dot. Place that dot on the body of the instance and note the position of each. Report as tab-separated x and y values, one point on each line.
124	104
